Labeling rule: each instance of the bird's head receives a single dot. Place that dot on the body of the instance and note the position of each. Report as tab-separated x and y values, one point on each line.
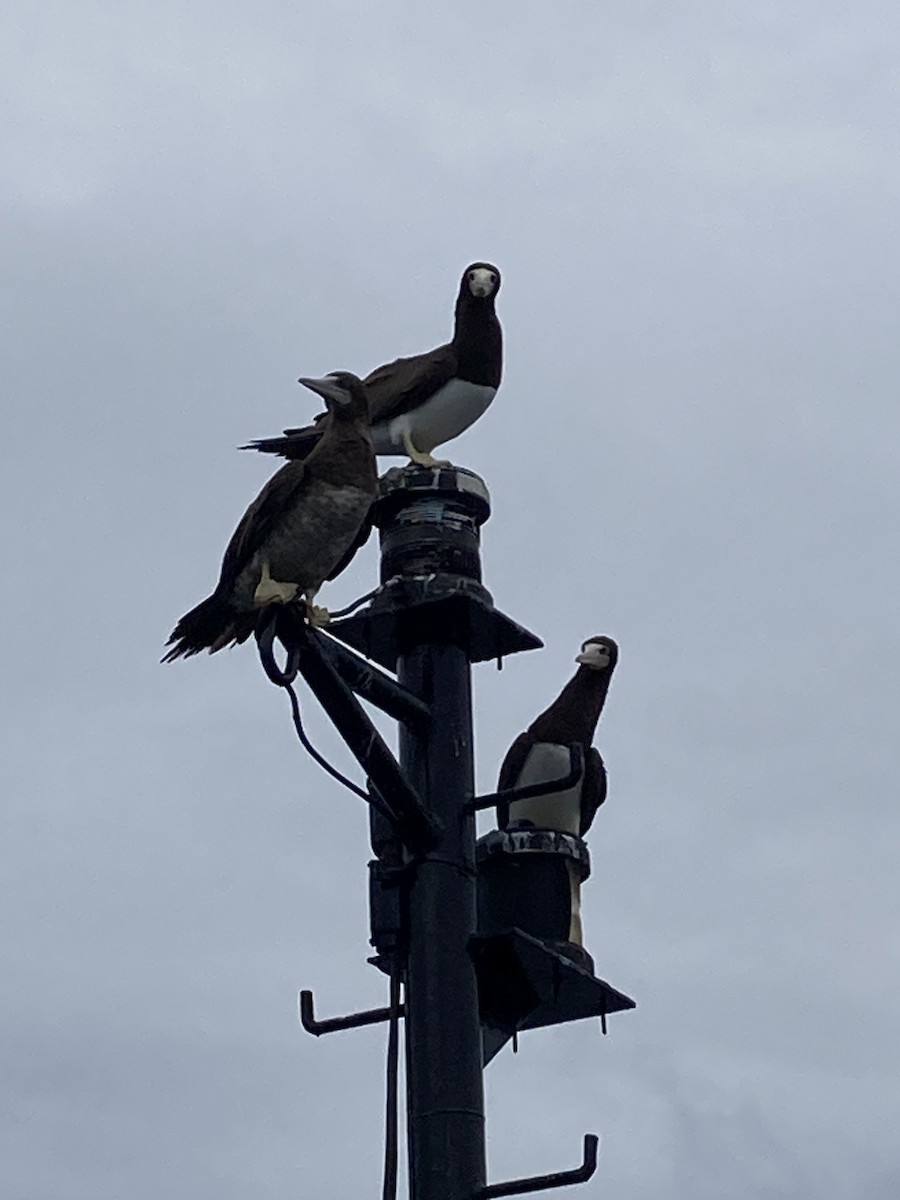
480	280
344	394
598	653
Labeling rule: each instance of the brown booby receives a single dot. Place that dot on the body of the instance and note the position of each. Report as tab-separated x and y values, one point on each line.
303	527
421	402
541	753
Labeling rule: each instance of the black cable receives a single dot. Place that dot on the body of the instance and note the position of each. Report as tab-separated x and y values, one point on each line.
266	633
345	612
389	1186
314	753
369	797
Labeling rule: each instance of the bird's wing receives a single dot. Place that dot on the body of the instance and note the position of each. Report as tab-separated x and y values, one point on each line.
510	770
593	789
358	542
395	388
401	385
279	493
293	443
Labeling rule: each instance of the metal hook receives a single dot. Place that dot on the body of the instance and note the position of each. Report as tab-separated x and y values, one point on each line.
267	629
531	790
541	1183
306	1012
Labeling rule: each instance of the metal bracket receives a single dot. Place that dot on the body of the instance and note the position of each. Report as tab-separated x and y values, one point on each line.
360	676
373	684
414	822
531	790
306	1013
542	1183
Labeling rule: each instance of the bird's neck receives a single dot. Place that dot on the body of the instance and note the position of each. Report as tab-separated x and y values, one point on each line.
478	342
348	441
574	714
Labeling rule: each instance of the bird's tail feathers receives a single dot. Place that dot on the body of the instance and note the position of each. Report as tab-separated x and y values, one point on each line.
293	444
212	625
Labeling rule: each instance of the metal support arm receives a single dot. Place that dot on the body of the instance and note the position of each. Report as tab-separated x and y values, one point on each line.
542	1183
530	790
306	1012
373	684
415	823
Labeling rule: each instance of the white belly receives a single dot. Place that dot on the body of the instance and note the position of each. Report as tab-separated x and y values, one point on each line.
449	412
558	810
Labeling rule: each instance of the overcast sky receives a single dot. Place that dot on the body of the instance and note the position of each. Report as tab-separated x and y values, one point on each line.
694	450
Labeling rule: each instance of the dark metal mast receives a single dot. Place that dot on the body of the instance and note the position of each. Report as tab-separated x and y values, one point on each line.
472	974
430	543
445	1103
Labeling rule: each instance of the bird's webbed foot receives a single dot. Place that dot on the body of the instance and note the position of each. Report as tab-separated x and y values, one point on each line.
315	615
421	457
272	591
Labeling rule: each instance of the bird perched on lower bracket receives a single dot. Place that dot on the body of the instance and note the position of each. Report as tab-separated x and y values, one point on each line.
303	527
421	402
541	753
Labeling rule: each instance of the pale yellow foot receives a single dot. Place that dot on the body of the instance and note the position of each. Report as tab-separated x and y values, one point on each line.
316	616
271	591
422	458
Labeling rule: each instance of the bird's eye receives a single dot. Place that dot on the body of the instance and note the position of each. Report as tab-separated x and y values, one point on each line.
472	276
493	277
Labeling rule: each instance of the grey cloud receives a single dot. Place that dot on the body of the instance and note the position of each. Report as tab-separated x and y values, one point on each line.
693	450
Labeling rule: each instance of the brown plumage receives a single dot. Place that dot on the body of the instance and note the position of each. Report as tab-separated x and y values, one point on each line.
420	402
540	753
302	529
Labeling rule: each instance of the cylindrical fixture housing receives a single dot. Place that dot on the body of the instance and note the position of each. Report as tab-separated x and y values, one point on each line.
429	518
530	879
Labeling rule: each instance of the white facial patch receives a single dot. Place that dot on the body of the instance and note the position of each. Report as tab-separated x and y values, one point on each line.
329	387
482	281
595	655
339	393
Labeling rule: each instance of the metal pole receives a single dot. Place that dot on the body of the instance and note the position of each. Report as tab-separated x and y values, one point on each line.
446	1133
430	621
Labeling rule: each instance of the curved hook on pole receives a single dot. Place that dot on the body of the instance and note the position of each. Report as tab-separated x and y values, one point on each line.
531	790
541	1183
372	1016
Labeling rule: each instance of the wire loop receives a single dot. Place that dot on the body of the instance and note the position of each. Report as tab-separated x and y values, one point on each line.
267	629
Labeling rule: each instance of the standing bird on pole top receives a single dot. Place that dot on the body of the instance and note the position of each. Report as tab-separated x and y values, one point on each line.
542	752
418	403
303	527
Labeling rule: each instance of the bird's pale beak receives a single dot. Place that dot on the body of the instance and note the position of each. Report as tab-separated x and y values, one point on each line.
328	388
598	657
